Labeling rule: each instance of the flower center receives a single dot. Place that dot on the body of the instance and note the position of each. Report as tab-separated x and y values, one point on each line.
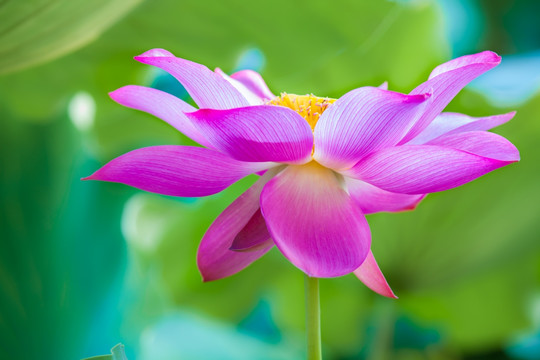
310	107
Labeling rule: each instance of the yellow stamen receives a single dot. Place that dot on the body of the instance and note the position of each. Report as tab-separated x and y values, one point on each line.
310	107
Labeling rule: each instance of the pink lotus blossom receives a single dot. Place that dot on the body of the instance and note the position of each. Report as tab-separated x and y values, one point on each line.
323	163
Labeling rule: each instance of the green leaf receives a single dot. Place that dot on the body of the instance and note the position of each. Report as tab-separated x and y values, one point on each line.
117	354
317	49
55	263
188	336
36	31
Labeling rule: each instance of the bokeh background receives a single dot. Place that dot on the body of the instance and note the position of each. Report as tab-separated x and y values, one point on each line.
85	265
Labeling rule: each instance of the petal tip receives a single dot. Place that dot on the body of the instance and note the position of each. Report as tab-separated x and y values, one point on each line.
94	176
492	57
425	96
86	178
510	115
370	274
206	279
384	86
484	57
211	275
513	155
414	205
417	98
116	94
154	53
385	291
206	276
112	93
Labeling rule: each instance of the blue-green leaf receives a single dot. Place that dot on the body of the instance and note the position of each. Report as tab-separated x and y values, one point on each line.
117	353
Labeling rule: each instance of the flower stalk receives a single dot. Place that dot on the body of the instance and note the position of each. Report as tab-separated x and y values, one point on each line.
313	318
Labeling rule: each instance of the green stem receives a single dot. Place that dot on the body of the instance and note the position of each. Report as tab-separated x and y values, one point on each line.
313	318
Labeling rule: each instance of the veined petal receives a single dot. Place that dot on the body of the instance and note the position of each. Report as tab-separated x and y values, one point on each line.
487	58
165	106
421	169
208	89
450	123
176	170
250	84
362	121
253	236
370	274
254	82
252	98
370	199
314	222
214	258
446	81
257	133
481	143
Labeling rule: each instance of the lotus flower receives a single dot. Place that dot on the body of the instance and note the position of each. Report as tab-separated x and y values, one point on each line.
323	163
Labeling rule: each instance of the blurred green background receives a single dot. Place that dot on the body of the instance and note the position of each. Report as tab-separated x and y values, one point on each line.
84	266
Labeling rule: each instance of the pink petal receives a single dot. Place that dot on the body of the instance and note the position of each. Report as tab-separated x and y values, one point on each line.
370	274
214	258
254	82
176	170
488	58
481	143
362	121
370	199
251	97
165	106
314	222
421	169
257	133
450	123
253	236
446	81
250	84
208	89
